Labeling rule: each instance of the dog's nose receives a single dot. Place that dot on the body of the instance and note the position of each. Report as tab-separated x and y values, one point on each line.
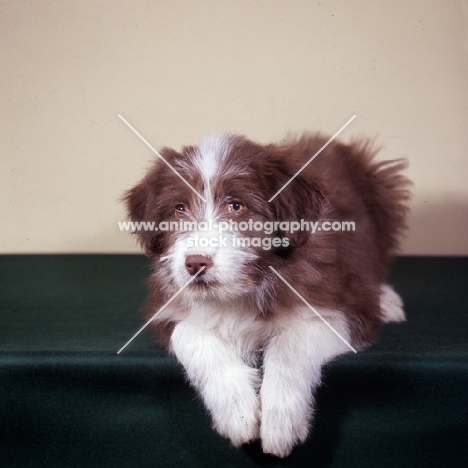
194	263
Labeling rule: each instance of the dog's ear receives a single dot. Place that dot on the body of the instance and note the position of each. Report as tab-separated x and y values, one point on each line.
152	201
147	205
296	192
137	200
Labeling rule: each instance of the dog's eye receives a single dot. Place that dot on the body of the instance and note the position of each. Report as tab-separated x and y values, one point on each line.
235	207
180	208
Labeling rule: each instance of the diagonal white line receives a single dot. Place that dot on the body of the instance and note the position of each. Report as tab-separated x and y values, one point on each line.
313	310
312	158
158	154
160	310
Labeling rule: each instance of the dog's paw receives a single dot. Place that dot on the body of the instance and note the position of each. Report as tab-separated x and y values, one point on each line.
282	428
234	405
238	420
391	305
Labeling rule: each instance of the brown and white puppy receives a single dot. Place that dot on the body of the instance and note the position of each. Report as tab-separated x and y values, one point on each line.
250	345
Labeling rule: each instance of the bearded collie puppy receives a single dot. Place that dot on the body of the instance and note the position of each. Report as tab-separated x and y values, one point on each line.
265	268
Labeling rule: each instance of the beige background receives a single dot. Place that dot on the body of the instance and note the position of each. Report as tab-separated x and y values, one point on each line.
180	69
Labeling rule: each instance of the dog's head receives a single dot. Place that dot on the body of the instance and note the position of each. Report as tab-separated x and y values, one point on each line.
211	207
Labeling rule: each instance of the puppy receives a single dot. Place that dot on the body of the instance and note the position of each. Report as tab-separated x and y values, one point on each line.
250	304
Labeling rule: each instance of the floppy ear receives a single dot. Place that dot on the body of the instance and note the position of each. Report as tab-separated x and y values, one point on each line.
137	201
303	198
151	201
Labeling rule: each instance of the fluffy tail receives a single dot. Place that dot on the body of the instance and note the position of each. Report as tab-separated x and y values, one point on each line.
385	191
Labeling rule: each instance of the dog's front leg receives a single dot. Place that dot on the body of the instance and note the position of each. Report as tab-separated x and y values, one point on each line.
228	386
292	367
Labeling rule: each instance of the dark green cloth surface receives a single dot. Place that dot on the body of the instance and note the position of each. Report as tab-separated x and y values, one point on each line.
68	400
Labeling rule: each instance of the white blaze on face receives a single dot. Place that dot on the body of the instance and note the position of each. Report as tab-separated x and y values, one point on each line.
229	260
212	152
